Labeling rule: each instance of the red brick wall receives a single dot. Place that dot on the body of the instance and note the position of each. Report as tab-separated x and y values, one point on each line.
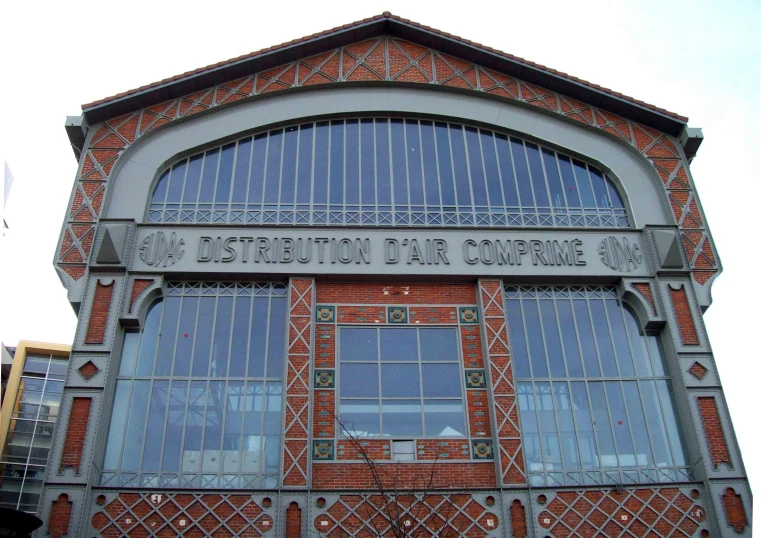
475	475
96	326
60	516
717	443
684	319
76	433
647	293
138	287
293	521
735	510
518	519
395	294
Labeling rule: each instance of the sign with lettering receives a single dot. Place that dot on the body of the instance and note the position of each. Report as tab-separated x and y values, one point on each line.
384	252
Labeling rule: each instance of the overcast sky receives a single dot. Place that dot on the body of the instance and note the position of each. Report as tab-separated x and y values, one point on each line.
699	59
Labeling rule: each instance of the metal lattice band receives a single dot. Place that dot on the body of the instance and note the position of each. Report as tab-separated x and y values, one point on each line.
298	382
433	514
594	392
202	515
500	368
386	172
199	391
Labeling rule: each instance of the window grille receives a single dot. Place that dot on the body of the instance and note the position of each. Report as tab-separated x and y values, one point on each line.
199	392
594	393
386	172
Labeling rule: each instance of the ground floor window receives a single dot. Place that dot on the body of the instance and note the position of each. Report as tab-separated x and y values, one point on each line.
594	392
198	398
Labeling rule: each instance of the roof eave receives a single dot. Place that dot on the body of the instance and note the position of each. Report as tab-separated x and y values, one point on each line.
322	43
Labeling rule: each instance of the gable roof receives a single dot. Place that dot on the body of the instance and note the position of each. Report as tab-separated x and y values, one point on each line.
384	24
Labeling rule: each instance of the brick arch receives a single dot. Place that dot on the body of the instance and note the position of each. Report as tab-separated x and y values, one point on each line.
382	59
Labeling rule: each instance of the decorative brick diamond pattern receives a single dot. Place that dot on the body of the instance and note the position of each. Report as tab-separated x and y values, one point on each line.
422	515
298	381
698	370
378	59
494	326
169	515
639	512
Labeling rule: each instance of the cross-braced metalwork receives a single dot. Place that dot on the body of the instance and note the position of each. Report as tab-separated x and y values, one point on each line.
298	376
494	327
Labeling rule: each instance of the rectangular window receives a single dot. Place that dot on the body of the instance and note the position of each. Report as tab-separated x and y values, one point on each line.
401	381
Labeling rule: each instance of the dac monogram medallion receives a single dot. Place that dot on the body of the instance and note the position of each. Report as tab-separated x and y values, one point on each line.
620	256
156	251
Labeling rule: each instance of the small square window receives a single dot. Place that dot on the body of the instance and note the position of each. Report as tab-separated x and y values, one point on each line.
403	450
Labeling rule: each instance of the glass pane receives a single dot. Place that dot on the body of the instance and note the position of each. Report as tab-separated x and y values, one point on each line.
118	423
183	354
552	338
352	162
676	435
361	417
624	442
36	364
191	448
174	426
402	418
398	345
129	353
444	418
259	328
359	380
400	380
239	346
203	331
221	346
148	339
133	441
167	336
440	380
638	424
276	342
359	344
584	426
439	345
156	427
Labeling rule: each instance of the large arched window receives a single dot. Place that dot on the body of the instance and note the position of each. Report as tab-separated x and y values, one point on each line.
386	172
199	391
594	392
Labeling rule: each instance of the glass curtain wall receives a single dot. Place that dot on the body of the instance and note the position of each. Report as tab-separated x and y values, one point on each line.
25	454
594	391
199	392
386	172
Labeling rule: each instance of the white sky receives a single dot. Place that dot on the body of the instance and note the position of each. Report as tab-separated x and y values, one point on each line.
700	59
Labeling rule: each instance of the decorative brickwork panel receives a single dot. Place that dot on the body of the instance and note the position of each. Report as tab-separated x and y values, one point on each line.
298	382
442	449
684	319
138	287
293	521
165	515
735	510
637	512
395	294
101	304
420	515
361	314
472	349
378	59
478	414
324	425
433	315
325	346
717	443
351	476
646	291
518	519
376	449
76	433
494	328
60	516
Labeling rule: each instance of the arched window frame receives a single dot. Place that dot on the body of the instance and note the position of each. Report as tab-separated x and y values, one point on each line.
560	172
162	361
561	366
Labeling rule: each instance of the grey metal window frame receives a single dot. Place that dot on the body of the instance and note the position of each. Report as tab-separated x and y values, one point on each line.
377	214
421	398
201	479
619	474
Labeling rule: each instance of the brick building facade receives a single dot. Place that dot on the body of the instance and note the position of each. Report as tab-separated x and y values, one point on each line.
484	275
